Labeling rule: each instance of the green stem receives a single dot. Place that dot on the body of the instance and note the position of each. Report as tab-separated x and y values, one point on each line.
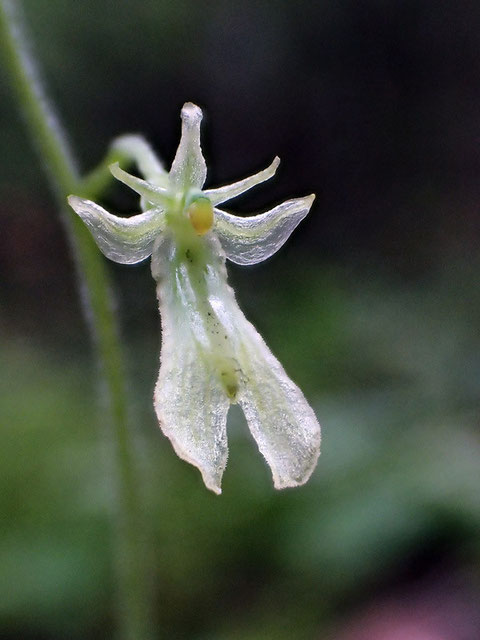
133	607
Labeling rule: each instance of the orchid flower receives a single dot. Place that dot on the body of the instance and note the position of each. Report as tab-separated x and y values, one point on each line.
211	356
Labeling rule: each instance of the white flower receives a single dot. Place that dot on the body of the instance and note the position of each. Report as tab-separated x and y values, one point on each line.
211	355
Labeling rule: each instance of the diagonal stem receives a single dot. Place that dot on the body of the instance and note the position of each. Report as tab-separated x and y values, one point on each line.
133	599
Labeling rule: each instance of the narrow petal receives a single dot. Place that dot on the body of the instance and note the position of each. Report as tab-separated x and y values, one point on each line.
222	194
189	168
150	192
137	149
124	240
280	419
190	403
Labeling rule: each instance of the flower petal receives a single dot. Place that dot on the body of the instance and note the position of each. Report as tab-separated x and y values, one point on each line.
150	192
279	417
189	168
229	191
124	240
137	148
253	239
190	403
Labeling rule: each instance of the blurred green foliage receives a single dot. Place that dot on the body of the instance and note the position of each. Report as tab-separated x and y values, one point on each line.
373	307
398	476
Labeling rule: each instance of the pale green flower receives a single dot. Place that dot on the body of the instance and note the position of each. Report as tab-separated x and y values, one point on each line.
211	356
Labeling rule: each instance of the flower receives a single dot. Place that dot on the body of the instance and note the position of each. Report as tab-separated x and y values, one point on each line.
211	356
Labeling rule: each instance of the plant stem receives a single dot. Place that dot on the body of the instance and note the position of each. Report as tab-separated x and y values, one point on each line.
133	605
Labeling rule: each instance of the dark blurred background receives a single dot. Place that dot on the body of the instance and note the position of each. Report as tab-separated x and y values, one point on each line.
373	307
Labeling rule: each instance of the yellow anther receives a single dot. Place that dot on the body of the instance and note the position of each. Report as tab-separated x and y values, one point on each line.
200	213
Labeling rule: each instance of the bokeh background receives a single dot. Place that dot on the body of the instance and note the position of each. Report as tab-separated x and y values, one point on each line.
373	307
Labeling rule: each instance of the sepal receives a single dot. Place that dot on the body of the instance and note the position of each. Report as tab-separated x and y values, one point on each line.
123	240
255	238
189	169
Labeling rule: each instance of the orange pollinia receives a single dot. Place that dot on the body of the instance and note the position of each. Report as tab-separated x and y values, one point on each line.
200	213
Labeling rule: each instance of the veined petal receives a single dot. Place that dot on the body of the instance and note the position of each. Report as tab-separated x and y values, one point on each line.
229	191
137	148
190	403
151	193
252	239
189	168
280	419
124	240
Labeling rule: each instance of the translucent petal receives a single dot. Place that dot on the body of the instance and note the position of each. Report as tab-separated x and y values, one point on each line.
279	417
255	238
150	192
137	148
189	168
222	194
190	403
124	240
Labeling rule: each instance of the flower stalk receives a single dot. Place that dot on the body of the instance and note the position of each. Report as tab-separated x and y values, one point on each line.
133	610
